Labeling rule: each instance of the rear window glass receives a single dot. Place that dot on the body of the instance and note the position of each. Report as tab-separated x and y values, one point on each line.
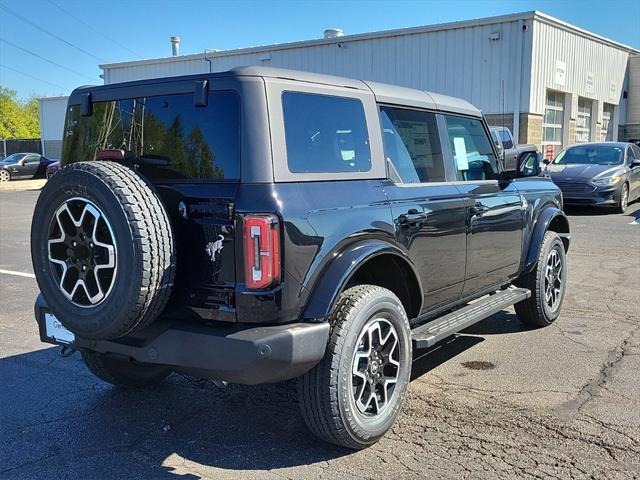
325	134
166	136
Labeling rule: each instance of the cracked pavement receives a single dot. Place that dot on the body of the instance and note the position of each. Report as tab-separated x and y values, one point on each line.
498	401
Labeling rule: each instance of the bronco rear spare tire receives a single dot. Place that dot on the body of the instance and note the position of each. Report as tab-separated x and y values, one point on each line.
103	250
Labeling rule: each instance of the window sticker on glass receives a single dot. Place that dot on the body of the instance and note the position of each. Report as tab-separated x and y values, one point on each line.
460	153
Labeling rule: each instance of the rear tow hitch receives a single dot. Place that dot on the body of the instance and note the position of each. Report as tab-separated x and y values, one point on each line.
67	351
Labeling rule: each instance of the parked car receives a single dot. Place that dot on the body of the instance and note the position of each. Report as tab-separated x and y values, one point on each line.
295	225
53	168
23	165
598	174
508	150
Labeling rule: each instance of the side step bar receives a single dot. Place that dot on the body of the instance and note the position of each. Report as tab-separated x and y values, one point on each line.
431	333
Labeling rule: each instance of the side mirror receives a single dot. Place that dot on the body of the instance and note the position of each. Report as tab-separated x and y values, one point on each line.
500	150
546	161
22	162
635	162
529	164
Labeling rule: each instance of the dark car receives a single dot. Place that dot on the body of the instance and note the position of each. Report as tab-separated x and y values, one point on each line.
598	174
52	169
277	224
23	165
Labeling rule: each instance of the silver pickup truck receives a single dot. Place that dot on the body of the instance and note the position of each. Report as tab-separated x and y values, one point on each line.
507	148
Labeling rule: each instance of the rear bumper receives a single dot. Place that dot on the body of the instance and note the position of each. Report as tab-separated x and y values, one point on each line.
237	354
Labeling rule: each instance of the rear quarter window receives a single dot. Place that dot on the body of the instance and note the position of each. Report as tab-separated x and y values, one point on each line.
325	134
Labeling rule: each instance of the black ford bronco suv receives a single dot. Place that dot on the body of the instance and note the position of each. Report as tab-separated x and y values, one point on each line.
260	225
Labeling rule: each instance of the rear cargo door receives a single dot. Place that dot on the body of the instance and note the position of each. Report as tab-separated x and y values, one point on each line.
184	137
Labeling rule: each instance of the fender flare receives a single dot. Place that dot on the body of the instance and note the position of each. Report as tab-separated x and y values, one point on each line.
545	218
336	275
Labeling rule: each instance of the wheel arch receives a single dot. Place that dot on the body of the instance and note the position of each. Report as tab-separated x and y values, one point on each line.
550	219
372	262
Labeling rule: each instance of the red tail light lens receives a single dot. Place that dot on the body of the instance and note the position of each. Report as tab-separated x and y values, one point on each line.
261	251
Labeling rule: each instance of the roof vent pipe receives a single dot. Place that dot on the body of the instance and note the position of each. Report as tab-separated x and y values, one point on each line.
333	33
175	46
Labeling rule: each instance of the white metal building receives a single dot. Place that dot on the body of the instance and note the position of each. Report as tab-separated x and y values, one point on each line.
52	112
551	82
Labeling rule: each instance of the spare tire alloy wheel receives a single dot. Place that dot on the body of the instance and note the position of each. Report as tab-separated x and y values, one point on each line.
103	249
82	252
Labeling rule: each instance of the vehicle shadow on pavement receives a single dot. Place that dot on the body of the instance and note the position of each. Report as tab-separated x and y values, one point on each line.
501	323
57	420
587	211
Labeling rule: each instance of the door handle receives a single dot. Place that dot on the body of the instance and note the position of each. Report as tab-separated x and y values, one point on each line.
412	217
478	209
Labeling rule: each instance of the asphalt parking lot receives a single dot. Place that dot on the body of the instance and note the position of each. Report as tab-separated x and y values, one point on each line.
498	401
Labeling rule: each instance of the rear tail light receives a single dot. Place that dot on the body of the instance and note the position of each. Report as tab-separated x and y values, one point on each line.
261	251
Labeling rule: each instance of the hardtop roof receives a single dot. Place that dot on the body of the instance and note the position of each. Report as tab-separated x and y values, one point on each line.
384	93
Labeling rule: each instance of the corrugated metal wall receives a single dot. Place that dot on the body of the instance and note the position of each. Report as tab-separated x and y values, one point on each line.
462	62
581	56
633	105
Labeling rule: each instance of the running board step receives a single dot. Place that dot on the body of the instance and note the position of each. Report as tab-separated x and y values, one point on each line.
431	333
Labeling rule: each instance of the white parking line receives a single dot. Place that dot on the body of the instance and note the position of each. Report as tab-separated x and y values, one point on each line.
17	274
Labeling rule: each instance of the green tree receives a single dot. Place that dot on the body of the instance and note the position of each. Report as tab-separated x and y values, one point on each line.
200	156
18	119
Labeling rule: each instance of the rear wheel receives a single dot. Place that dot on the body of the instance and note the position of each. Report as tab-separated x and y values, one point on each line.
353	396
623	203
547	282
122	371
5	176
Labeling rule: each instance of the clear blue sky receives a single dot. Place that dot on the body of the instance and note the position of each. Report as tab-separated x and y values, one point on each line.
138	29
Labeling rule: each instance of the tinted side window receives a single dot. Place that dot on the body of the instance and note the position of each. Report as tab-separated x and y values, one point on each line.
325	134
471	147
167	136
412	145
507	141
636	151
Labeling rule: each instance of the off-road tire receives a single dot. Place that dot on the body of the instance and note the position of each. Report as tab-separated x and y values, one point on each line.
144	244
325	392
122	372
534	310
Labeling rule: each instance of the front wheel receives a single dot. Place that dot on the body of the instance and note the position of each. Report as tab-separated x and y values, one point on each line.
623	203
5	176
547	282
353	396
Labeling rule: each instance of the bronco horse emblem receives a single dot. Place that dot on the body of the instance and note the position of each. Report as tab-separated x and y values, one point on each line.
213	248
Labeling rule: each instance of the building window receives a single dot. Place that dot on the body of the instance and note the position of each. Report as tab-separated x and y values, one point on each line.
553	118
583	120
607	122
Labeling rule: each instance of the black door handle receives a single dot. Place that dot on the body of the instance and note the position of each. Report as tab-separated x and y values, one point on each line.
478	209
412	217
